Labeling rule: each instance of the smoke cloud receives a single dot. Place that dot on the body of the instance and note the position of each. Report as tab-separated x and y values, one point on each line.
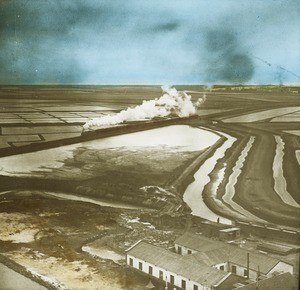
171	103
227	60
149	42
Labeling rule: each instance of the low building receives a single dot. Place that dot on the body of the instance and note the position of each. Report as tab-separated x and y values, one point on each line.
277	248
190	243
177	270
230	258
282	281
229	234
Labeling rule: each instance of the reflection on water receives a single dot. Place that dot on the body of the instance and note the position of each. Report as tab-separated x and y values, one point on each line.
298	156
103	253
233	178
193	194
280	184
91	200
183	137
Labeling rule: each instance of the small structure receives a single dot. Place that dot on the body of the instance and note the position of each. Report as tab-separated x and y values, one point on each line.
209	228
277	248
229	234
190	243
176	270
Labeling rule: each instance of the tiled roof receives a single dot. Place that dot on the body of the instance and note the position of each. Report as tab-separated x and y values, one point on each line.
283	281
191	269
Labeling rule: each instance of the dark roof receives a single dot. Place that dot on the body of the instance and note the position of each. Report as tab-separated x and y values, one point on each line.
283	281
193	270
198	242
275	248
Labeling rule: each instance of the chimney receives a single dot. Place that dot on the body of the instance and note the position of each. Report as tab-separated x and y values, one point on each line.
248	263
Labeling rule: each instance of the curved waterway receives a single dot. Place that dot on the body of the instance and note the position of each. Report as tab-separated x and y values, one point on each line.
175	137
193	194
230	186
280	185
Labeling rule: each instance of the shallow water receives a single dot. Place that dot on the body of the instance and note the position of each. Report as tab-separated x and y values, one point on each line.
280	184
262	115
9	279
179	137
193	194
233	178
103	253
91	200
298	156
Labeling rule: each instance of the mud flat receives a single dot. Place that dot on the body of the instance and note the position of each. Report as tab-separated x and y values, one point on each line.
182	137
262	115
230	187
280	185
255	187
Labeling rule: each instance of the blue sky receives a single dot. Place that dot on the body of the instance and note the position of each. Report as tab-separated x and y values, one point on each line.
150	42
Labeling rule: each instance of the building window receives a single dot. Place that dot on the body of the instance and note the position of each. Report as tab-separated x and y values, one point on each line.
233	269
171	279
130	262
195	287
245	272
179	250
189	251
141	266
150	270
222	267
183	284
161	274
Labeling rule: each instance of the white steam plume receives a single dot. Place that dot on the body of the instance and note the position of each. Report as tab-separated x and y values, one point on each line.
170	103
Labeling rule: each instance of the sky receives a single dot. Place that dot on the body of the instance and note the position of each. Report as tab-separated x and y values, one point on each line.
150	42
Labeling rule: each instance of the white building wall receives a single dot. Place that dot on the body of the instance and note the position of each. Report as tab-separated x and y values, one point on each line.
225	265
281	267
166	274
240	271
184	250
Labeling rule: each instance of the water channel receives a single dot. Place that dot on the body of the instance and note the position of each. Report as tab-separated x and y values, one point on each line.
9	279
230	186
280	185
193	194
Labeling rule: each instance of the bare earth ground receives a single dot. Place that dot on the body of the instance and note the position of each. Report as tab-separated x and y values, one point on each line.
47	234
